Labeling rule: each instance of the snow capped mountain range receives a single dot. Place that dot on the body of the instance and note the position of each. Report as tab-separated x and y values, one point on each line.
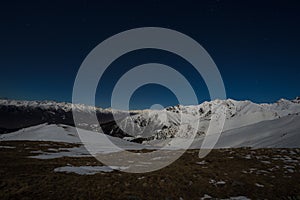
15	114
146	125
183	121
53	105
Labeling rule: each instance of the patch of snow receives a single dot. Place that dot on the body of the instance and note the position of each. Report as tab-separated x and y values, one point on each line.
239	198
206	196
7	147
259	185
214	182
158	158
86	170
203	162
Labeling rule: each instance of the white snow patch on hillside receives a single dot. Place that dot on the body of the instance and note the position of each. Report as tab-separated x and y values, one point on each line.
62	133
87	170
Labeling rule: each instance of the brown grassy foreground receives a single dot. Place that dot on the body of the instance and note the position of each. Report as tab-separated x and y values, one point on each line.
256	174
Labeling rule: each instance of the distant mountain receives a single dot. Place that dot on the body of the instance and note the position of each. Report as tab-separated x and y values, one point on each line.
146	125
179	121
278	133
16	114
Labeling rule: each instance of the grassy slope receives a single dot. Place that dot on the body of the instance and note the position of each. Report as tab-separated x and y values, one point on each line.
27	178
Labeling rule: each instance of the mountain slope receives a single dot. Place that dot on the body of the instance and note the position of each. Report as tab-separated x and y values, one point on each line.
278	133
172	122
182	121
283	132
68	134
15	114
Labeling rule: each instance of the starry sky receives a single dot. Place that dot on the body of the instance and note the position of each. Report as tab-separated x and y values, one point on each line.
255	45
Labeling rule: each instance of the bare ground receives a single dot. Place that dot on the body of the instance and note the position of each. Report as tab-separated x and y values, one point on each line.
224	173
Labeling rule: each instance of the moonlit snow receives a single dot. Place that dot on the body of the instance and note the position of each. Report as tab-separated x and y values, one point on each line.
247	125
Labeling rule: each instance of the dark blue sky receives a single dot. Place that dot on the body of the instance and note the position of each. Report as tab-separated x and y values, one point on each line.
254	44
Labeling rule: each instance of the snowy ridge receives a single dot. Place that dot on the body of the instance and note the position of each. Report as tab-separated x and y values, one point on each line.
53	105
181	121
15	114
171	122
278	133
283	132
67	134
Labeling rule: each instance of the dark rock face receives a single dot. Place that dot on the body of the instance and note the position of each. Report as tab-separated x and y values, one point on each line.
13	118
297	100
111	128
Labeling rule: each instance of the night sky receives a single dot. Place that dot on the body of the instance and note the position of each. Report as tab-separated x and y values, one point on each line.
255	45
